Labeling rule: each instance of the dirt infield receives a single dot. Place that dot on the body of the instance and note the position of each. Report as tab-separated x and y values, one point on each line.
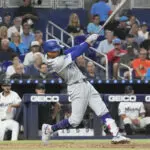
74	145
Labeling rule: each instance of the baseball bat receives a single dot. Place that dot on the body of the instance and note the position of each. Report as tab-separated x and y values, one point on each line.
113	14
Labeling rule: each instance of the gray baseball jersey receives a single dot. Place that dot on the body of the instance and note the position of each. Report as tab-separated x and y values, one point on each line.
82	94
66	69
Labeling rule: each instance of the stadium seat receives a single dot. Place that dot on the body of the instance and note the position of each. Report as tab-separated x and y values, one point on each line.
5	64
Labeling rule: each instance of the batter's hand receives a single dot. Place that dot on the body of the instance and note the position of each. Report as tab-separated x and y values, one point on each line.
92	38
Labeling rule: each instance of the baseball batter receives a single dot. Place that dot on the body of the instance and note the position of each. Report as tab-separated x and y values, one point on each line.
133	115
81	92
9	101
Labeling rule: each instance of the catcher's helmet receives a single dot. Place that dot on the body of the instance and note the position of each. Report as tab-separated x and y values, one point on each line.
52	45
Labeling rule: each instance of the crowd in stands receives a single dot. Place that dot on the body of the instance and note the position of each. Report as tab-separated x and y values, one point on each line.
123	41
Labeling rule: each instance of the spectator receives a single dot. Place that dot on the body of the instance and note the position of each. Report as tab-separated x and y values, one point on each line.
34	69
95	26
27	36
5	52
35	48
27	12
39	37
102	9
106	45
3	32
114	56
91	71
143	31
122	31
16	45
81	63
44	74
141	64
50	108
10	100
7	20
132	20
127	59
19	73
17	27
133	115
131	45
134	31
12	68
74	27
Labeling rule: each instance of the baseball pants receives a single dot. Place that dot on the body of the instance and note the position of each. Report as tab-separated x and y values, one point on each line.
9	125
82	95
143	122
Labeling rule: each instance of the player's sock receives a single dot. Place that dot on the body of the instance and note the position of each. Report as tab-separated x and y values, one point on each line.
110	123
61	125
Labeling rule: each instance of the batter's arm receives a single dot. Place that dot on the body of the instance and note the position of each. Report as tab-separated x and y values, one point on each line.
80	49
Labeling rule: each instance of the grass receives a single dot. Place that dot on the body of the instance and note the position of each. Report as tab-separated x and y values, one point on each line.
74	145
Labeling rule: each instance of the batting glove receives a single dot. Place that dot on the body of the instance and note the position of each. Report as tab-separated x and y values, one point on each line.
92	38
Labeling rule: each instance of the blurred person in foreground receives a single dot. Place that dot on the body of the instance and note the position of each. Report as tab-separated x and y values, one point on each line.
133	115
9	101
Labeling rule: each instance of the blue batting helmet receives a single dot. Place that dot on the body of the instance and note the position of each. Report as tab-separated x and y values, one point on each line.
52	45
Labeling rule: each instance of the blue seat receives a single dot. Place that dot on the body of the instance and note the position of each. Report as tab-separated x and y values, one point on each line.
147	76
5	65
21	57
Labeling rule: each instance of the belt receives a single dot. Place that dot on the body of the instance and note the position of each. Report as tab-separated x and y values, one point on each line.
80	81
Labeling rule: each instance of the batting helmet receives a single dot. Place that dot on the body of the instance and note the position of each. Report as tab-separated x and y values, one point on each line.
52	45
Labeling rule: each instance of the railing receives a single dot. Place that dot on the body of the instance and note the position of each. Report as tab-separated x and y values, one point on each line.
51	30
50	33
73	4
105	68
140	3
125	67
1	3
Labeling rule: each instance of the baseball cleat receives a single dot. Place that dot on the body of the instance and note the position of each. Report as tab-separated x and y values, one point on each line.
46	133
120	140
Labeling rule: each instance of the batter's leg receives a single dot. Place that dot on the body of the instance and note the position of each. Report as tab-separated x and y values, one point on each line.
79	97
98	106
